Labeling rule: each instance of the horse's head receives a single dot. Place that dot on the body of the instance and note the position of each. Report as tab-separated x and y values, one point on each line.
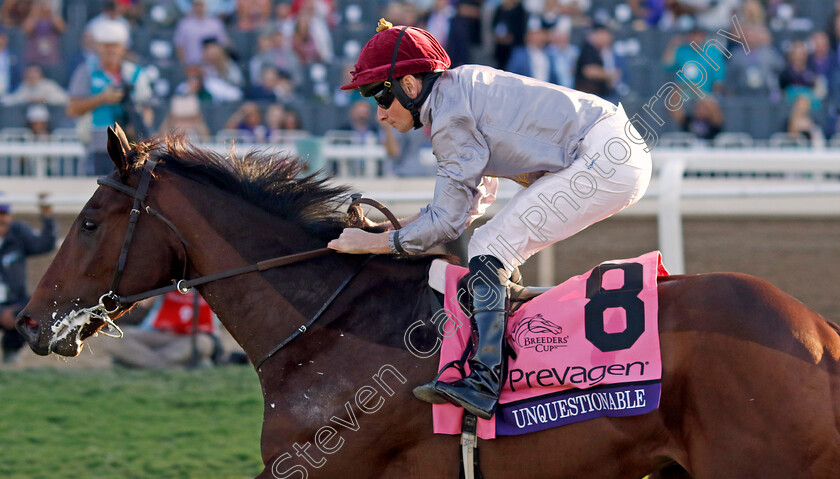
76	295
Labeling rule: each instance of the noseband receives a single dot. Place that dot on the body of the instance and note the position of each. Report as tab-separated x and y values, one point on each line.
184	286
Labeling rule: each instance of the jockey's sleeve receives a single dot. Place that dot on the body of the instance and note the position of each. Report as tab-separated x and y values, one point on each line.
485	197
461	191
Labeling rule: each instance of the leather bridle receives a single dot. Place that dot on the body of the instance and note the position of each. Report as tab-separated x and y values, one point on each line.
184	285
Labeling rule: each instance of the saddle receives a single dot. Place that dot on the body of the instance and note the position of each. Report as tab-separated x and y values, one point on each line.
519	294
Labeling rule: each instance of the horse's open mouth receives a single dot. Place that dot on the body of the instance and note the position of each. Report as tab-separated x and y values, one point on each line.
70	332
91	328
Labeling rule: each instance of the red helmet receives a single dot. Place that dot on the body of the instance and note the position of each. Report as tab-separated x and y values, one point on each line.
419	52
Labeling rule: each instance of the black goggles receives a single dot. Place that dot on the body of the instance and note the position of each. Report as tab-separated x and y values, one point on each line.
384	98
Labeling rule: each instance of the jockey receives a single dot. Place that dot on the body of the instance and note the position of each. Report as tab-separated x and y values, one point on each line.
578	157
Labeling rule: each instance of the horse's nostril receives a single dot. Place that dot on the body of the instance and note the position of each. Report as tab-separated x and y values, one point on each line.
28	327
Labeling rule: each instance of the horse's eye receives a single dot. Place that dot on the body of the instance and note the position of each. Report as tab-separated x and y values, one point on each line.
89	225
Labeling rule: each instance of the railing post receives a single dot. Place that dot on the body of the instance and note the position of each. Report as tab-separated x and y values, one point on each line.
670	215
545	266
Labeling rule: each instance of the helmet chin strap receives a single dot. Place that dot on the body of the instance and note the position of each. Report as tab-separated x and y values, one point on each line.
411	104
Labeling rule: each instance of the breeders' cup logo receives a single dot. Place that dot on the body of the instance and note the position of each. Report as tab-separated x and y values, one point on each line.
539	334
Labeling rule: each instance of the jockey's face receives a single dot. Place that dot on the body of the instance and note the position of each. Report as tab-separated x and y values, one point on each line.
397	115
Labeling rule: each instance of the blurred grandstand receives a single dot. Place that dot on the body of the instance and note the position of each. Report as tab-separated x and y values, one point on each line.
756	110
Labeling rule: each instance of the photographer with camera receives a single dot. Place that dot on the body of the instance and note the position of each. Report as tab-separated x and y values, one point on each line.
108	90
19	241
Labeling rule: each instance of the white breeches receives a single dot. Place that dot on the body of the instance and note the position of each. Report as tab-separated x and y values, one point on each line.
612	171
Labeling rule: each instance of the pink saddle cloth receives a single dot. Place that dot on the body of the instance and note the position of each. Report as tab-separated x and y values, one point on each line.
587	348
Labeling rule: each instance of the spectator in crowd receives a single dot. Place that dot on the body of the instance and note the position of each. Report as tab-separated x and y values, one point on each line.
532	59
273	85
437	20
248	119
284	21
651	12
820	61
221	9
217	63
680	52
44	30
18	241
321	9
800	123
346	97
312	41
797	77
85	53
555	10
678	8
755	73
510	21
164	339
38	121
274	116
833	27
132	10
402	12
405	152
715	14
291	120
14	12
191	31
361	122
185	116
193	84
112	11
464	31
213	88
752	14
36	89
9	65
364	130
111	89
562	54
252	14
704	119
597	71
273	50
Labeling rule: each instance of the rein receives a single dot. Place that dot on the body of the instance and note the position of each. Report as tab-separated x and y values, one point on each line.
184	286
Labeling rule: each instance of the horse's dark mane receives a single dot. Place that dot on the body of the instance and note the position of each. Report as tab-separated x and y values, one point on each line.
271	181
267	180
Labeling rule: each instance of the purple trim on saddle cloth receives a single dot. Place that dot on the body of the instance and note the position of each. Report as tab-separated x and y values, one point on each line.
567	407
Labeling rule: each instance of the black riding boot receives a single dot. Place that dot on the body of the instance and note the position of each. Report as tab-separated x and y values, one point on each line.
478	393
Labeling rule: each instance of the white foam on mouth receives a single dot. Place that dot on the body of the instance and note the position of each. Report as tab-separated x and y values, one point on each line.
74	322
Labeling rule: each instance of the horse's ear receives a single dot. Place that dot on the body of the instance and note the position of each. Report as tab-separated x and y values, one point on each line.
118	147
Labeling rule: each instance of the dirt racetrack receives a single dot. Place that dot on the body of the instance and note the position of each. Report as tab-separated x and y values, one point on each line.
800	255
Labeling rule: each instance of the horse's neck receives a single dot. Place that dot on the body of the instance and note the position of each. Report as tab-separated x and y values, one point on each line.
260	310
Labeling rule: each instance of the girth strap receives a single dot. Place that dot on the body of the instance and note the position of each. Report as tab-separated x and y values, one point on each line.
470	468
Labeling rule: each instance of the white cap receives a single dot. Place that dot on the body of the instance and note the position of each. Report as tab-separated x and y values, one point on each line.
37	113
110	31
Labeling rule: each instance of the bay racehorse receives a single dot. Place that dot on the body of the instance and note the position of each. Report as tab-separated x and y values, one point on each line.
751	376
